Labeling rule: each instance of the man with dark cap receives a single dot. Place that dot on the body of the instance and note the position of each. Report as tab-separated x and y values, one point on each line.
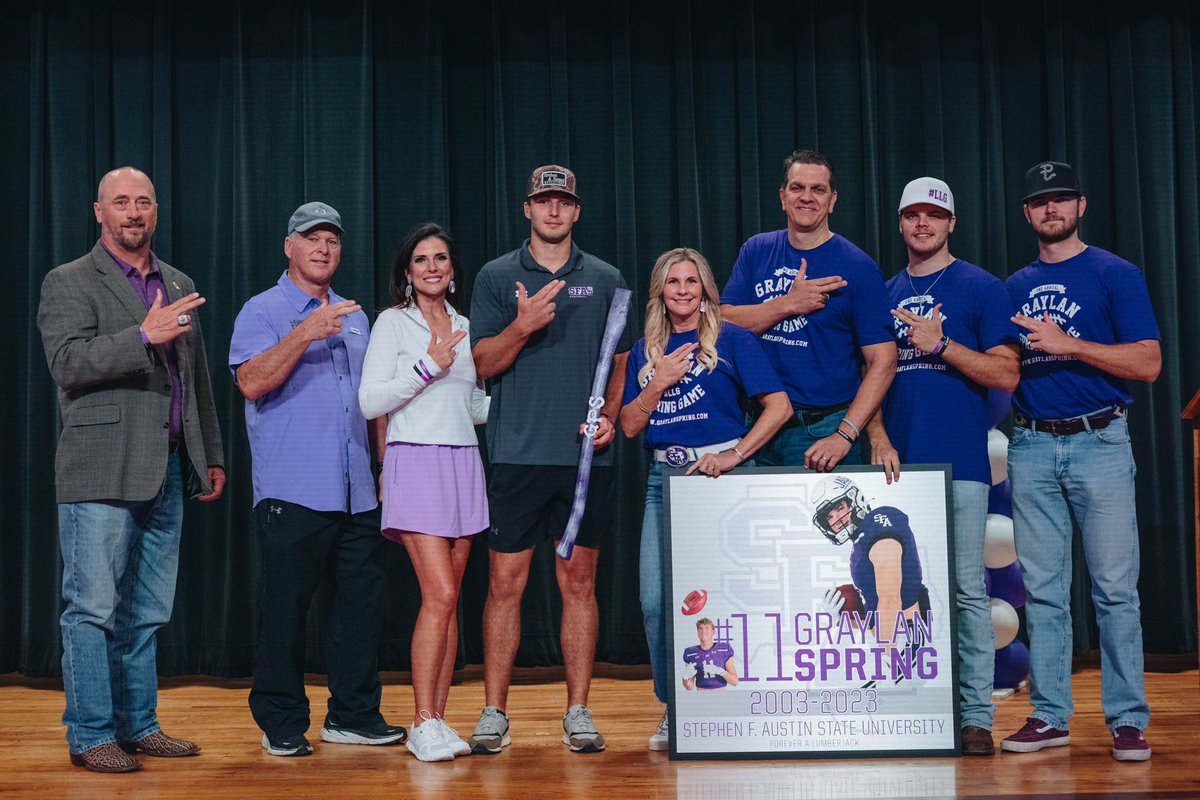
1088	328
537	320
297	356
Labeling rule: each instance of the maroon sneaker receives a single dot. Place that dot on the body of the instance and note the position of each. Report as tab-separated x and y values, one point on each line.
1036	735
1129	744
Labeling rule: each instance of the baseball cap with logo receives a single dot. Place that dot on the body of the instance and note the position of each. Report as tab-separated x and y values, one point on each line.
927	190
1050	176
552	178
310	215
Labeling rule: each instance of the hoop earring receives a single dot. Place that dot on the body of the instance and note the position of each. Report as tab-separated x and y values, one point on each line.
452	287
703	306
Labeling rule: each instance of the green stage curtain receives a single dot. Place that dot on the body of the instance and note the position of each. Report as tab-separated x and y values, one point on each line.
675	117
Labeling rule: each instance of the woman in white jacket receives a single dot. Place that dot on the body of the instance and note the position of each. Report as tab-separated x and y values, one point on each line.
419	372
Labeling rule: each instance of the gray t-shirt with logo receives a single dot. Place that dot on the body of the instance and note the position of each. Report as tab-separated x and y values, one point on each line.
539	402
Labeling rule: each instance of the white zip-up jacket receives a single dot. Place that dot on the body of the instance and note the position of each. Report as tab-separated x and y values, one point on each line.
442	411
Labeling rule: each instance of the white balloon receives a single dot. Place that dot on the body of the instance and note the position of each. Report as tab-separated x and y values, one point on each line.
999	549
998	456
1004	621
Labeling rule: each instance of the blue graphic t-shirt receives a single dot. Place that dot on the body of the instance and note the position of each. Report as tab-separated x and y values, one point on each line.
705	407
933	413
886	522
708	662
816	355
1096	296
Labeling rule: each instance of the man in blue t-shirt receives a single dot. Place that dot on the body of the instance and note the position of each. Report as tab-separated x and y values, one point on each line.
1087	329
819	305
709	665
952	320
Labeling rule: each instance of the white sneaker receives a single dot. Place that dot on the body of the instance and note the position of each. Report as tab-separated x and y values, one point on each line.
660	740
579	732
450	736
426	743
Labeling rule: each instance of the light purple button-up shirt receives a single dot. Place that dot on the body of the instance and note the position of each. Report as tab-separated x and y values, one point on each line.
146	289
308	438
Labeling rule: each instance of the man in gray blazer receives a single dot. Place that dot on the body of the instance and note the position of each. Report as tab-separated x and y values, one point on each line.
123	343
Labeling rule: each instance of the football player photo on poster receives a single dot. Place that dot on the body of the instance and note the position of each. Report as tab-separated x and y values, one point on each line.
812	614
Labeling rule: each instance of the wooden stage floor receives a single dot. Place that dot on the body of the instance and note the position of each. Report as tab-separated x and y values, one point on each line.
33	752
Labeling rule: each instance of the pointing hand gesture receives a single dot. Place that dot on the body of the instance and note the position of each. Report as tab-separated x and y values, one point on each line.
668	370
164	323
442	350
923	334
326	320
807	296
1045	335
536	312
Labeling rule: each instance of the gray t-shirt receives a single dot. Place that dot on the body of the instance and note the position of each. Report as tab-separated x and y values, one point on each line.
539	402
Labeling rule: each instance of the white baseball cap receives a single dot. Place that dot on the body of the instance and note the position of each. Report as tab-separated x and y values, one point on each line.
927	190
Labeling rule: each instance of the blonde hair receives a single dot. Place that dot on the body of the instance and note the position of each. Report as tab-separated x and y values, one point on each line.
658	321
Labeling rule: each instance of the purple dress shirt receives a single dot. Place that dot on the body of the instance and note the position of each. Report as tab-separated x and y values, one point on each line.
308	438
145	289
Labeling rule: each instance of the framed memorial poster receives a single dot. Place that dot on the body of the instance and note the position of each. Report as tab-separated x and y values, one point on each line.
811	614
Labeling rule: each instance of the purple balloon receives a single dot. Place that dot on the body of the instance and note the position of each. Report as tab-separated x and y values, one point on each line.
1012	665
1006	583
998	405
1000	499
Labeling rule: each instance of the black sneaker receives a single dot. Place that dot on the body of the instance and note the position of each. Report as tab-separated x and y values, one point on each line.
379	733
291	746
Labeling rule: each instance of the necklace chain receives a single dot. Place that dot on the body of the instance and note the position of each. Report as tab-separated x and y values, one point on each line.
929	290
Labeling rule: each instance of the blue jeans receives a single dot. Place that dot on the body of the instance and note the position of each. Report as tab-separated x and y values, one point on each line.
651	579
1089	474
788	447
976	636
119	565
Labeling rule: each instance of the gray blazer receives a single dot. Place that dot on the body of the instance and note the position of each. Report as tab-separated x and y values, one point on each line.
114	391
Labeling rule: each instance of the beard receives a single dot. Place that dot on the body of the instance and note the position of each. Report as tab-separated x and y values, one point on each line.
1051	236
132	237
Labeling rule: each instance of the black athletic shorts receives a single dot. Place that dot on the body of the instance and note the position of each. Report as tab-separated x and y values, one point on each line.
530	504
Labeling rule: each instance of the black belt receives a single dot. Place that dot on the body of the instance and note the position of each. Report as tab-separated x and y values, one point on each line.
811	416
1070	427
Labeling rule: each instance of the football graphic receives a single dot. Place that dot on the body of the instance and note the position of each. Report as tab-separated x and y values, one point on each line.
694	602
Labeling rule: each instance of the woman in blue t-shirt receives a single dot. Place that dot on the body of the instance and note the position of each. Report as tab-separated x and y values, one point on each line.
684	388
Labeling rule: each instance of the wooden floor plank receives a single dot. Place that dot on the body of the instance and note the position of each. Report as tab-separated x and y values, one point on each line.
33	753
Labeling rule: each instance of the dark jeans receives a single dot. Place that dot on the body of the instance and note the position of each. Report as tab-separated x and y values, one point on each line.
299	546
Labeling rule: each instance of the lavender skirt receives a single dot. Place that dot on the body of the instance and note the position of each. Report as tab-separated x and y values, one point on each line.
435	489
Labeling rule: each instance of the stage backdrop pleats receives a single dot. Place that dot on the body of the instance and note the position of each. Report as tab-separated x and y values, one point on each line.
675	117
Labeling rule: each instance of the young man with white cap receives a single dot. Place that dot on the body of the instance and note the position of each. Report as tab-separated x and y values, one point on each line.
1088	329
951	320
538	316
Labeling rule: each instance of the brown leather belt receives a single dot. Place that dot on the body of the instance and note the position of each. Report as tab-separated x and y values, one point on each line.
1070	427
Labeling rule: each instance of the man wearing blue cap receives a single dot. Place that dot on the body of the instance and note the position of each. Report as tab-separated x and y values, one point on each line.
1088	328
297	356
951	320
